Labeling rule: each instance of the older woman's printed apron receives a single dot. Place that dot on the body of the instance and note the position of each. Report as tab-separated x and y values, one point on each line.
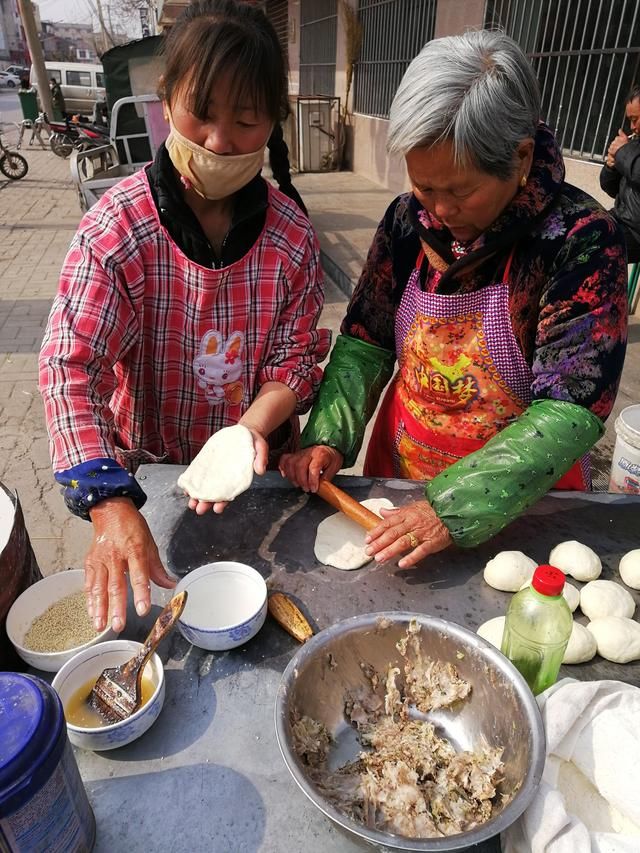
462	378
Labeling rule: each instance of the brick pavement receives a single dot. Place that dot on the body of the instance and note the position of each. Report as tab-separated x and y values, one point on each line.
38	217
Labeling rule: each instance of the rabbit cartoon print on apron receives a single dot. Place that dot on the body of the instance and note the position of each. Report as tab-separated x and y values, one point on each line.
218	367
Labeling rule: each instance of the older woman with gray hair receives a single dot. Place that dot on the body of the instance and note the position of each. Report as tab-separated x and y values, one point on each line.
498	288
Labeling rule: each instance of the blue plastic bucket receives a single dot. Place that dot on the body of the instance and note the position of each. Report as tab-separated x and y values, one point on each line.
43	803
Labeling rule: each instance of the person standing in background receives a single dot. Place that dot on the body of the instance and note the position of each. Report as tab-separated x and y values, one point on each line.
57	97
620	176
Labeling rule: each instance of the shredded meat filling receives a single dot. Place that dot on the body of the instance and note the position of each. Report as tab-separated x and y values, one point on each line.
407	780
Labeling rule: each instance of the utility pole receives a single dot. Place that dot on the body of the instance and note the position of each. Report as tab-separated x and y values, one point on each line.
37	58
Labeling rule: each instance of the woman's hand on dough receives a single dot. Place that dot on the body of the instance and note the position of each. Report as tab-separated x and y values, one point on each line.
259	466
122	544
305	467
414	528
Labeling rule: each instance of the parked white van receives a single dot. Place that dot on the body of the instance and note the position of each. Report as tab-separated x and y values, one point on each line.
82	84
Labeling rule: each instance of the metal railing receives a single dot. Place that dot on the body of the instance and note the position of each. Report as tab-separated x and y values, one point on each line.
393	32
586	54
318	33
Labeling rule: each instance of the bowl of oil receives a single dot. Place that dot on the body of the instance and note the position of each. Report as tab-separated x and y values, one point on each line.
75	680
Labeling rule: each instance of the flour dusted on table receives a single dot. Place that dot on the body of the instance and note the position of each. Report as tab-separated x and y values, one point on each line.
224	467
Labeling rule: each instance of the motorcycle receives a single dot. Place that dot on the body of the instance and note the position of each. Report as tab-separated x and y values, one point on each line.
12	165
65	136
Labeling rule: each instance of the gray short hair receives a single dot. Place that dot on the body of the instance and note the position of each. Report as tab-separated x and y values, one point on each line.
478	90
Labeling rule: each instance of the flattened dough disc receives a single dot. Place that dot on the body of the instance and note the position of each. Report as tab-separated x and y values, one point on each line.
223	468
340	541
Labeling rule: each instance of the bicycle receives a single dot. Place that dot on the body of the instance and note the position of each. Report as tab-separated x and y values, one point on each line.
12	165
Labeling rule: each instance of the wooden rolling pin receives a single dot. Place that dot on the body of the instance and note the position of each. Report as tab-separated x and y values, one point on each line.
348	505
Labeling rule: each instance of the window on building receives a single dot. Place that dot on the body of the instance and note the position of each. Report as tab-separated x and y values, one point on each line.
586	56
78	78
393	33
318	32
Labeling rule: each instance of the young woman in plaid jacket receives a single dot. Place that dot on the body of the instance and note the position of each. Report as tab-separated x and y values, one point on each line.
188	301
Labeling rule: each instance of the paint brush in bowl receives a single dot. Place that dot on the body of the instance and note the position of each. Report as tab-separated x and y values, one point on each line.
117	694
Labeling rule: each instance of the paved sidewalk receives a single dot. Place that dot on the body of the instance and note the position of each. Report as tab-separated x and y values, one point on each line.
38	217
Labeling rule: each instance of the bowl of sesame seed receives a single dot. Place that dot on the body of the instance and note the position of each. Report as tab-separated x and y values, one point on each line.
48	623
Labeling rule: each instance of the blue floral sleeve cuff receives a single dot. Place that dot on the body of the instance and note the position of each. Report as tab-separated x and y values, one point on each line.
87	484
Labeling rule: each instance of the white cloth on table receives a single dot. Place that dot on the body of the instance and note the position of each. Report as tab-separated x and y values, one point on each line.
589	797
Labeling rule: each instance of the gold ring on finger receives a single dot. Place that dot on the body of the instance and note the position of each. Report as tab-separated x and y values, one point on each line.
413	540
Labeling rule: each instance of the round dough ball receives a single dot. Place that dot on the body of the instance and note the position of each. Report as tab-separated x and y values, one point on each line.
570	592
509	570
577	560
629	569
606	598
617	638
492	631
581	646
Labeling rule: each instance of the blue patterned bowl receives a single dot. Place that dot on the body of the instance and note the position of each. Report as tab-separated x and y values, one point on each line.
227	605
88	665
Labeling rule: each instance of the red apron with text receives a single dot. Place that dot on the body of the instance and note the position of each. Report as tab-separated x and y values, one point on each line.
462	379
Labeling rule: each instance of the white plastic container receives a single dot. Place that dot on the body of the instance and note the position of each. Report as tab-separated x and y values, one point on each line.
625	465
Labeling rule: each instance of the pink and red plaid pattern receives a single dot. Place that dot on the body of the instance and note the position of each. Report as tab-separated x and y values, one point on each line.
132	311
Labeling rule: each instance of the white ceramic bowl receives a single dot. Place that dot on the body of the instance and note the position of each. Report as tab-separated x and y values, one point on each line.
89	664
32	603
227	605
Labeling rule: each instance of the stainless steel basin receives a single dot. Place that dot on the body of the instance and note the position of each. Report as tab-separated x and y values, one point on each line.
501	709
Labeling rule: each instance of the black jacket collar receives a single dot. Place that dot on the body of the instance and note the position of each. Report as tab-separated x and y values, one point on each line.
249	213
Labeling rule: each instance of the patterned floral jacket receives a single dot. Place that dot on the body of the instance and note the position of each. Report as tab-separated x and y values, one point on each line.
567	284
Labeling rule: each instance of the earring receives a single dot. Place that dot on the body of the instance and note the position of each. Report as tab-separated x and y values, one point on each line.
523	181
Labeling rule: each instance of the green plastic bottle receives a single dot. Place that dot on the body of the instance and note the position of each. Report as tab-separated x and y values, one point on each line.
537	628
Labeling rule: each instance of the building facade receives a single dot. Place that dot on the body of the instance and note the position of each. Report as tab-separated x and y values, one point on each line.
12	43
586	55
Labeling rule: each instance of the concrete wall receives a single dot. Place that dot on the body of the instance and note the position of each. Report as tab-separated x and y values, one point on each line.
369	154
369	135
453	17
587	177
294	47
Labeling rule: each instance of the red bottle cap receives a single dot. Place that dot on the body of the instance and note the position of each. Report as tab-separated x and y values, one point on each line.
547	580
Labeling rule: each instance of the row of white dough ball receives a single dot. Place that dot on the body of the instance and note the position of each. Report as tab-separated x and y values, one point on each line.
509	570
611	632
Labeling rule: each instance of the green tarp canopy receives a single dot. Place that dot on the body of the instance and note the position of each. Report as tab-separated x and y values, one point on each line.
132	69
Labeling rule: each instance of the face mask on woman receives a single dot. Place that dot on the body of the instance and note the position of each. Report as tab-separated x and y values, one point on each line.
213	176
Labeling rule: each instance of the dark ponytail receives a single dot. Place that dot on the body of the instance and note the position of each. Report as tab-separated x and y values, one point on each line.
279	162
